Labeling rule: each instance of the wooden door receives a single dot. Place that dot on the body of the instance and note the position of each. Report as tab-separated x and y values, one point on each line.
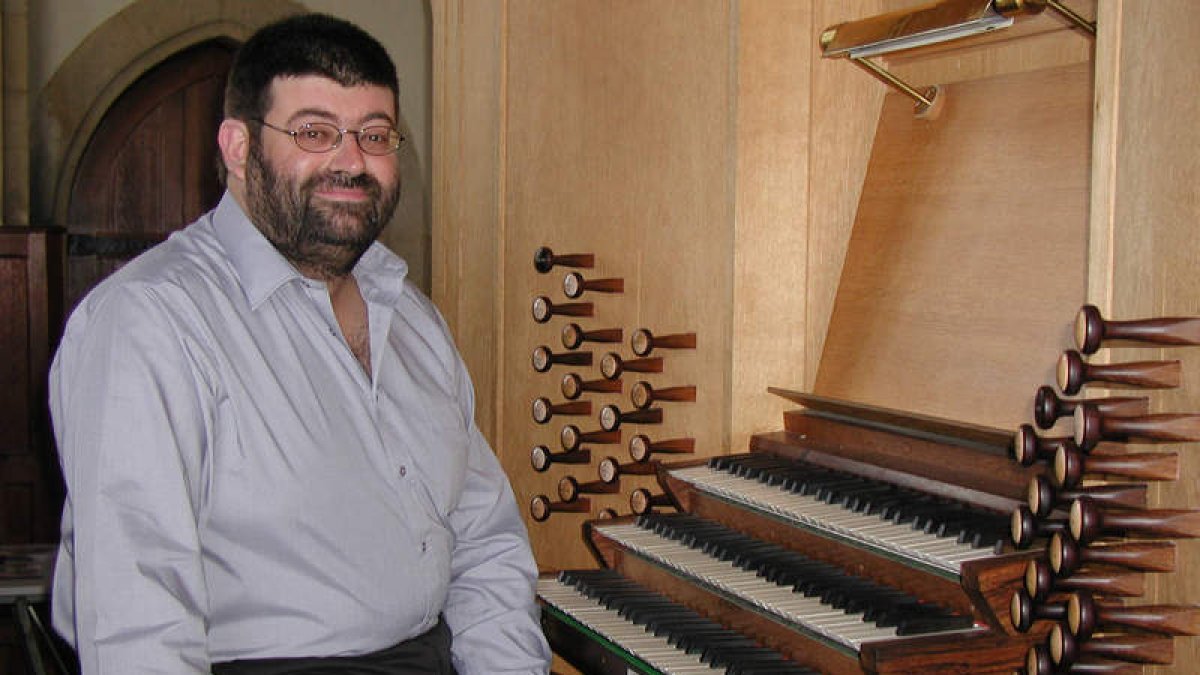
151	166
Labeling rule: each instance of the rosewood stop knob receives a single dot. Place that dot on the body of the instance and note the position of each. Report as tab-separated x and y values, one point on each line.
643	341
1043	497
1026	527
1028	447
1071	466
1040	581
543	310
1067	556
1090	521
1048	406
1085	615
569	488
573	335
1091	427
571	437
1023	610
643	395
544	410
574	285
544	260
1091	330
642	501
612	417
1074	372
1066	649
540	507
573	386
612	365
541	458
543	359
610	470
641	448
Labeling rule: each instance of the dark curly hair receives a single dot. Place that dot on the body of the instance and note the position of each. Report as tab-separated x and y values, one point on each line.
305	44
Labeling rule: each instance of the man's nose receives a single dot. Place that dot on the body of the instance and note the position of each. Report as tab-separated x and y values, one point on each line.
347	156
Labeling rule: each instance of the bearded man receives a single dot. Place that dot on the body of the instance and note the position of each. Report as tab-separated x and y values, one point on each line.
266	432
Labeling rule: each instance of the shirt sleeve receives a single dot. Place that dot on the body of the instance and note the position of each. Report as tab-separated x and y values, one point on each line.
129	416
491	607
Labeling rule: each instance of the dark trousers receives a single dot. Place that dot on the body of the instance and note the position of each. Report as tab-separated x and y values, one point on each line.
428	653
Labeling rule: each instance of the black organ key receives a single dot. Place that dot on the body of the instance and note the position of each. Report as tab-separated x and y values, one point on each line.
885	606
922	512
687	630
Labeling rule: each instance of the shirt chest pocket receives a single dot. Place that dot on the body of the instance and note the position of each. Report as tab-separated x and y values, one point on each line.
430	441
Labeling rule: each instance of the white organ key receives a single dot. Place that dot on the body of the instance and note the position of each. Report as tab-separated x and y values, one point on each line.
847	629
944	553
655	650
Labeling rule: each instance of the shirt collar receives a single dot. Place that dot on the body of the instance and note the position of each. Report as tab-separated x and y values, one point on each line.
263	270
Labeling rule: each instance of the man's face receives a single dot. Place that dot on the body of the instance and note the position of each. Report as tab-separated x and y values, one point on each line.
322	210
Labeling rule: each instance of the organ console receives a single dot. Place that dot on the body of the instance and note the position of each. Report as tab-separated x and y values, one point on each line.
545	260
830	541
612	365
641	448
643	395
573	386
1074	372
544	410
543	359
643	341
574	285
573	335
544	310
1091	330
1048	406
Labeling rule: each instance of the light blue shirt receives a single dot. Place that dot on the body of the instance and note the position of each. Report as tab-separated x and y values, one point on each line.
238	486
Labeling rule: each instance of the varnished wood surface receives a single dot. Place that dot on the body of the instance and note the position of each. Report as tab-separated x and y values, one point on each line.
978	651
943	307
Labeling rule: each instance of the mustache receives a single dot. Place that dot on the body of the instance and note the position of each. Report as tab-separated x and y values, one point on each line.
341	179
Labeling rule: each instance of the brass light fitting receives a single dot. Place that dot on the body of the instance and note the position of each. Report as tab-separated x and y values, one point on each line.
926	25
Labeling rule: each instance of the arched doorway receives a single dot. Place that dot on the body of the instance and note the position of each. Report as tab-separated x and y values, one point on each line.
150	166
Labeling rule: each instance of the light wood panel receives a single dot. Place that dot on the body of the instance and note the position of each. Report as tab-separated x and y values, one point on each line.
1145	211
619	120
967	259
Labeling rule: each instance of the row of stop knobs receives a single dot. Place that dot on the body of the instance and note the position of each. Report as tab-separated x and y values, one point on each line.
643	395
1091	504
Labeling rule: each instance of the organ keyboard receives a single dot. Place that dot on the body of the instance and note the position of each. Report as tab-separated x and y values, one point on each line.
855	540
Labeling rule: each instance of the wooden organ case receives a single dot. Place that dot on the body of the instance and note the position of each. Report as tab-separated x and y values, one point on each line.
913	357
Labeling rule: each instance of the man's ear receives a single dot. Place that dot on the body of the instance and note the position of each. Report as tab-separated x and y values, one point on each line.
234	139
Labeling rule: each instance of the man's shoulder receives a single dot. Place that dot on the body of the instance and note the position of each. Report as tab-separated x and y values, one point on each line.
189	260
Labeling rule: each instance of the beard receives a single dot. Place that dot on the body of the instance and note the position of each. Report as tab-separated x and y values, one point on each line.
322	239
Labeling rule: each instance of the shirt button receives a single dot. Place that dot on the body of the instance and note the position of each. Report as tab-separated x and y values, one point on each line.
403	471
424	546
